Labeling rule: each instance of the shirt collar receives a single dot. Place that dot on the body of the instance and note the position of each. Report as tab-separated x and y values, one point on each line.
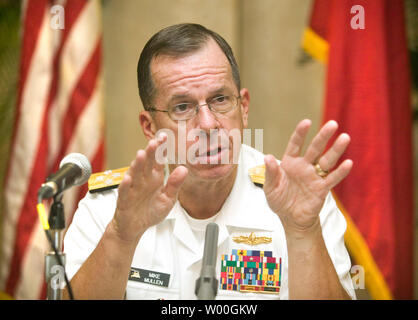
246	205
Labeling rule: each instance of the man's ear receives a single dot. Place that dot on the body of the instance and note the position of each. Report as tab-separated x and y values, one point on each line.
245	105
147	124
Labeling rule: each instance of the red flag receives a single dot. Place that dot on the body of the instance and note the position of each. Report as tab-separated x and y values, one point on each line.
368	94
59	111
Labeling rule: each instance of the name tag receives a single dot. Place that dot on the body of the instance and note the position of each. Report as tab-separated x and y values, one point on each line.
151	277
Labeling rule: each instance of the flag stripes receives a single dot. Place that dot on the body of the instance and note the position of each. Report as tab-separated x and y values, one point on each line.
59	111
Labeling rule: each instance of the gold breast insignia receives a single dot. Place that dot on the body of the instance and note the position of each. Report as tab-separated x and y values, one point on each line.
252	239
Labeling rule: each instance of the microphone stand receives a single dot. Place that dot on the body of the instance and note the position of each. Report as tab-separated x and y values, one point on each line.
54	274
206	286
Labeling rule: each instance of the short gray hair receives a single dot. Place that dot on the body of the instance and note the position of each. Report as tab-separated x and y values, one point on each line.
177	41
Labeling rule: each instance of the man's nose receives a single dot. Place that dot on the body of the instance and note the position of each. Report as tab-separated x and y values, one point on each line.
206	119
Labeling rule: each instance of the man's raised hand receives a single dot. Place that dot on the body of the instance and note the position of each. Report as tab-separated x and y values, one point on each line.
294	189
143	199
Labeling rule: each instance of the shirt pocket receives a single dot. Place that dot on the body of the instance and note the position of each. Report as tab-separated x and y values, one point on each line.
144	291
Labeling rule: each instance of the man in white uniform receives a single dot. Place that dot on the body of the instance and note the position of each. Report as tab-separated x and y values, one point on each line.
283	240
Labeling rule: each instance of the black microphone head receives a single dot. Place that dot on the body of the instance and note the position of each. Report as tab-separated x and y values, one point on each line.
81	161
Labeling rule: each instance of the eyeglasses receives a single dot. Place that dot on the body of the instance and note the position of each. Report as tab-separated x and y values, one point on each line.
186	110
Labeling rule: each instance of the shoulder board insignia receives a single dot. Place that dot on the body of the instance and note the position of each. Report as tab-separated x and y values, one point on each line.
109	179
258	175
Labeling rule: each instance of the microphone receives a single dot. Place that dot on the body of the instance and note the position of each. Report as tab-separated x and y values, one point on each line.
75	170
207	284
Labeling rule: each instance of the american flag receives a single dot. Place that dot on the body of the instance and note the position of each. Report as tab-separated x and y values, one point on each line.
59	111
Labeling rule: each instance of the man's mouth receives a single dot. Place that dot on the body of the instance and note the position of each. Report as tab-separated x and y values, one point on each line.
212	155
213	152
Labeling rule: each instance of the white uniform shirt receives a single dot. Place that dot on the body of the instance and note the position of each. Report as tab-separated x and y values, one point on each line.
174	247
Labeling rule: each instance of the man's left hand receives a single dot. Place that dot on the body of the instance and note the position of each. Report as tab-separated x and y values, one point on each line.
295	190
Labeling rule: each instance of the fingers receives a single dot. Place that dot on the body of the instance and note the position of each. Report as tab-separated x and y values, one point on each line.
174	181
297	139
315	152
145	162
272	173
337	175
331	157
319	142
124	188
151	161
136	167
